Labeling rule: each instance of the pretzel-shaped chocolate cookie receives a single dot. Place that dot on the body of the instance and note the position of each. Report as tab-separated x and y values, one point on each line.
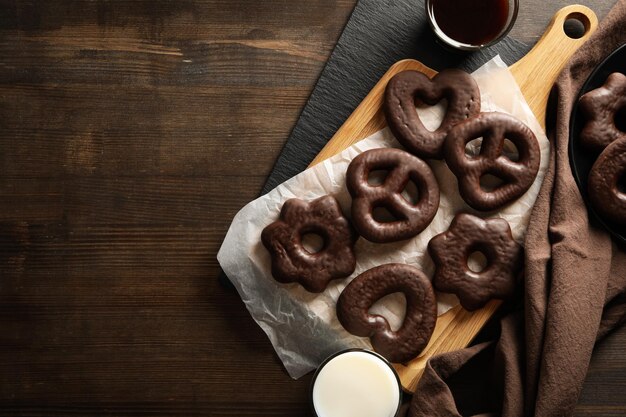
356	299
601	107
408	87
451	250
517	176
604	183
291	262
402	167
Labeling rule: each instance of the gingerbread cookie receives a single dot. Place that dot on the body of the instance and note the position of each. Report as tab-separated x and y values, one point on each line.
356	299
607	183
517	176
601	107
407	88
402	167
451	250
291	262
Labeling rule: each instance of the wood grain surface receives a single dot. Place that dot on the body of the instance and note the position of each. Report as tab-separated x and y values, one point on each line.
131	132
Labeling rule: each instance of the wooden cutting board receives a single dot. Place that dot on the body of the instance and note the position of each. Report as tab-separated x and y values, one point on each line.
535	74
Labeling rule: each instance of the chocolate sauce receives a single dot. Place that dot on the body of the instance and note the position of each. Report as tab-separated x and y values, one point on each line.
473	22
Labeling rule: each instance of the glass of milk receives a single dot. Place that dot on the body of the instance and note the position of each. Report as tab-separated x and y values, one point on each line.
356	383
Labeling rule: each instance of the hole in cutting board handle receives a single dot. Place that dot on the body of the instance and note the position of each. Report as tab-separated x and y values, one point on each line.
576	25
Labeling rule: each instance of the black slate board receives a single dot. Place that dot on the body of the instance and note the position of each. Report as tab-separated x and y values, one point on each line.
378	34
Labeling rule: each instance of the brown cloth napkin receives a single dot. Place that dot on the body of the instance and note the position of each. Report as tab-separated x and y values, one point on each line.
574	288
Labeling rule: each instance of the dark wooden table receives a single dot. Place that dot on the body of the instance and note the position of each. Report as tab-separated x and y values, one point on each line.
131	132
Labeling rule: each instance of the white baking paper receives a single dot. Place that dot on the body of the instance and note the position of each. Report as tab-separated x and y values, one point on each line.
303	326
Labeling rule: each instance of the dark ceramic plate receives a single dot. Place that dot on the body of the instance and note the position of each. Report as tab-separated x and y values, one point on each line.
580	159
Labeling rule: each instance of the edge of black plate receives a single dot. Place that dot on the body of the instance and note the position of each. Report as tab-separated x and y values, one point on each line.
575	156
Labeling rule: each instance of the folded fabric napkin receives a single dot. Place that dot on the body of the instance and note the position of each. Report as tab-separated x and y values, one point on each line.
574	294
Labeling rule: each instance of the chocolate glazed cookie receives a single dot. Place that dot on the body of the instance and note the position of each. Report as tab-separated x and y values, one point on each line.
517	176
402	167
451	250
407	88
605	177
356	299
291	262
601	108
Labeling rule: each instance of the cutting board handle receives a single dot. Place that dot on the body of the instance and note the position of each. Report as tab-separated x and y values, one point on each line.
538	70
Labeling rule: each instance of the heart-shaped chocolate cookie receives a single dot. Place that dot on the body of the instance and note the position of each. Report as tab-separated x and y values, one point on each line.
411	338
408	88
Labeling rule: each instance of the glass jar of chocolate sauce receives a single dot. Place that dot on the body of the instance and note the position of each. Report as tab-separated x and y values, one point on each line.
471	24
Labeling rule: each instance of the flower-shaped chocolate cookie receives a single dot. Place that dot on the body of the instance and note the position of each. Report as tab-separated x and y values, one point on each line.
602	107
451	250
292	262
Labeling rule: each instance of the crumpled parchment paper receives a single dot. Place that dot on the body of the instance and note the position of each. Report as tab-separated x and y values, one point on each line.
303	326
